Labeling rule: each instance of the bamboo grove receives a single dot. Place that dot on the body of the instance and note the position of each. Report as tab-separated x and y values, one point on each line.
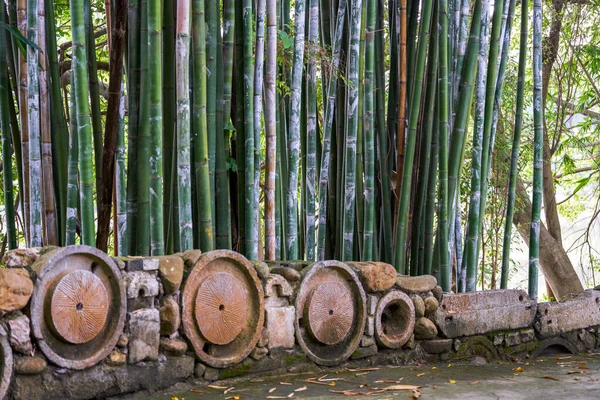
306	129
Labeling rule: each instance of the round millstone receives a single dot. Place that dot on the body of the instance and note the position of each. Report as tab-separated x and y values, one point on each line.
330	313
221	308
79	307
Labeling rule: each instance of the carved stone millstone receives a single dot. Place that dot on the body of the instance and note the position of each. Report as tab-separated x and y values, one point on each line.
6	363
394	320
223	308
78	306
330	312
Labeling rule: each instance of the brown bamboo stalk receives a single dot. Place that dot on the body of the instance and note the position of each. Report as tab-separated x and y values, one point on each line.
23	116
401	98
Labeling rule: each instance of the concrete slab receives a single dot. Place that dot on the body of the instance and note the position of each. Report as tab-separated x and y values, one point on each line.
556	318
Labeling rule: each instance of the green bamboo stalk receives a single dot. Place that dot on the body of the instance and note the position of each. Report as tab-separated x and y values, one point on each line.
349	196
327	131
199	126
369	125
223	215
184	187
360	143
538	118
240	143
428	240
121	181
169	113
259	52
271	132
413	117
9	202
212	10
473	223
73	185
133	96
84	133
143	156
514	159
294	133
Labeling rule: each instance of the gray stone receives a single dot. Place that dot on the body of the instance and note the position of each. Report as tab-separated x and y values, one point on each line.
431	305
370	326
259	353
19	332
438	293
277	291
123	341
498	340
173	347
21	258
199	370
425	329
419	305
262	269
170	269
411	343
367	341
279	323
211	374
117	358
141	284
372	304
516	338
478	360
15	289
170	317
119	262
144	329
263	340
416	284
6	363
29	365
587	338
363	352
287	272
436	346
581	312
375	276
191	257
140	264
477	313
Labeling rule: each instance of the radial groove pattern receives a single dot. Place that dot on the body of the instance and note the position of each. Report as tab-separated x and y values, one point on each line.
79	307
221	308
331	313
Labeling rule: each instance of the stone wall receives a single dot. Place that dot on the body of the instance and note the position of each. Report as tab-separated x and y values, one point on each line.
77	323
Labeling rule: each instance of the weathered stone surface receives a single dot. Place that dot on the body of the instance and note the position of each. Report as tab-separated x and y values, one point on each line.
498	340
140	284
173	347
416	284
144	329
119	262
363	352
170	317
263	341
6	363
262	269
370	326
419	305
367	341
117	358
280	327
15	289
287	272
475	313
411	343
19	334
259	353
581	312
277	291
199	370
372	304
438	293
21	258
436	346
191	257
170	269
211	374
140	264
375	276
123	341
104	380
431	305
425	329
29	365
516	338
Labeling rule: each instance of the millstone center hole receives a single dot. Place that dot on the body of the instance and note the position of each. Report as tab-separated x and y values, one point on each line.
221	307
394	319
330	312
79	306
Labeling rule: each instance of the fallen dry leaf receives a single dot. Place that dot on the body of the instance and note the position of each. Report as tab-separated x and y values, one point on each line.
347	393
475	383
400	387
551	378
319	383
361	373
362	369
421	374
285	383
272	390
449	365
416	394
237	397
290	395
518	369
197	391
302	389
434	368
389	381
217	387
228	390
452	381
276	397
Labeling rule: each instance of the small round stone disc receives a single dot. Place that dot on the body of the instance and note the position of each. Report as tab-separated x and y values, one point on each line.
330	313
221	308
79	307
